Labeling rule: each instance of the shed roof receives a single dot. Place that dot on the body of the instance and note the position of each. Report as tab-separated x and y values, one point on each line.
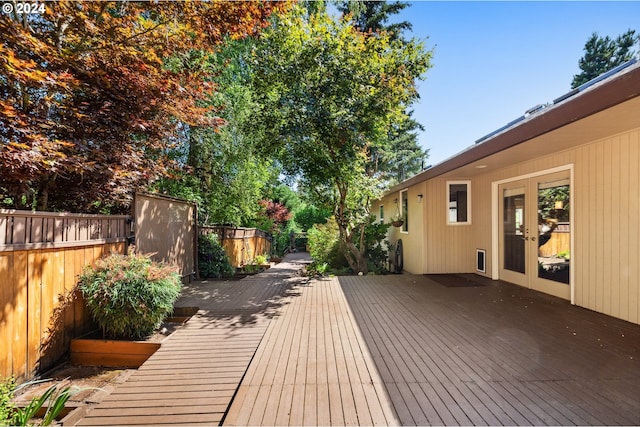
610	89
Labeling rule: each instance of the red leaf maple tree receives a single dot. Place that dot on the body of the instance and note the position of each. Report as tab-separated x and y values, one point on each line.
90	109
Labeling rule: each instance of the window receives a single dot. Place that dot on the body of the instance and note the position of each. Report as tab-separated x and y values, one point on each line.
381	214
458	202
405	210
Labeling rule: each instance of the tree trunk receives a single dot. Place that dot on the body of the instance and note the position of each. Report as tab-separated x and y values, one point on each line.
355	257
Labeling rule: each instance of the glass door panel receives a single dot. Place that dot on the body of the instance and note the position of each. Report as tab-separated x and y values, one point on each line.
514	231
535	233
554	230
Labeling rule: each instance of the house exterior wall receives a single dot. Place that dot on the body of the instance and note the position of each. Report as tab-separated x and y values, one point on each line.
447	245
413	238
606	203
594	135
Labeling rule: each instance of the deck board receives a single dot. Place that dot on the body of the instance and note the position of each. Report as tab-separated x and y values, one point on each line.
383	350
495	354
313	367
194	376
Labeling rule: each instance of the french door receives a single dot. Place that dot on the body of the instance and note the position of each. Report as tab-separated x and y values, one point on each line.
535	233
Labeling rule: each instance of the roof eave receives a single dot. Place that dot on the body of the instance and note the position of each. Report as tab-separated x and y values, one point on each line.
615	90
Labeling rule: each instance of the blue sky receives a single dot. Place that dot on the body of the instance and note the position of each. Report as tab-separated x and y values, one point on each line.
495	60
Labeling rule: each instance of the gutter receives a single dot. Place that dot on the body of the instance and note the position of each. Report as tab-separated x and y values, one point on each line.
601	93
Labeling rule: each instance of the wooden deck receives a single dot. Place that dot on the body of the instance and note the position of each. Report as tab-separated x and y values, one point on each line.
192	379
482	352
384	350
313	368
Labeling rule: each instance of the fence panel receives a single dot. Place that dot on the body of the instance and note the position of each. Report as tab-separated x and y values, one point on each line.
41	255
166	227
240	244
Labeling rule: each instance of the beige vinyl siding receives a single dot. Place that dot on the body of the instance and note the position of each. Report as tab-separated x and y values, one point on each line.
605	199
447	245
412	240
607	191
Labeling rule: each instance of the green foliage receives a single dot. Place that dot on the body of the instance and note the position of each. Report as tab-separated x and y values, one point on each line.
224	170
376	248
53	398
329	95
325	246
260	259
285	195
322	239
374	15
282	237
213	261
603	54
129	295
547	199
7	408
317	268
310	215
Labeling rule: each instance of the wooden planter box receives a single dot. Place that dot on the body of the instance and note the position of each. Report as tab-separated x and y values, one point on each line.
121	353
111	353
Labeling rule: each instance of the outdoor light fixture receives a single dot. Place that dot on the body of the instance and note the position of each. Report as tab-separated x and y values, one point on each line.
419	198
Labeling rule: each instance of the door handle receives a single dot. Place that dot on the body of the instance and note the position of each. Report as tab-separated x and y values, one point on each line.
533	239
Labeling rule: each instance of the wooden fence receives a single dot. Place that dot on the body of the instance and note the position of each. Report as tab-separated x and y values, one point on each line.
166	228
559	242
242	245
41	255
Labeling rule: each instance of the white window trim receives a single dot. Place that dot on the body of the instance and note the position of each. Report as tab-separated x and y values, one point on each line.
446	204
402	209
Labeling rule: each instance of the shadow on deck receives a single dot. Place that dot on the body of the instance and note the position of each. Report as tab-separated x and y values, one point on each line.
193	377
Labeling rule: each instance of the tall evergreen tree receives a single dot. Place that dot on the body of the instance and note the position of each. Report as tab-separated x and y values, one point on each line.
604	54
374	16
403	157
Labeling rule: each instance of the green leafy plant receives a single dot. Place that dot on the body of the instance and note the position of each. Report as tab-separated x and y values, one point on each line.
260	259
251	268
129	295
213	261
54	400
7	408
376	252
324	244
317	268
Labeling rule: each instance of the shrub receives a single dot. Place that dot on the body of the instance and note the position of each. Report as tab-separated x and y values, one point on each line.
324	244
213	261
377	248
7	408
129	295
260	259
317	268
308	216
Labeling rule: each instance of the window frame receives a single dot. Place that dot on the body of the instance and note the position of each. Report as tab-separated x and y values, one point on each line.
467	183
381	213
405	216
